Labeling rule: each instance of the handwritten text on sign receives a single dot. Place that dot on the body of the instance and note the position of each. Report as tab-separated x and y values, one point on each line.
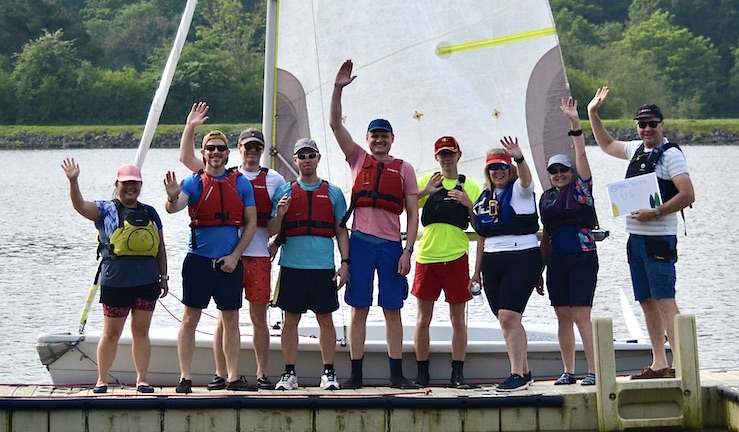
634	193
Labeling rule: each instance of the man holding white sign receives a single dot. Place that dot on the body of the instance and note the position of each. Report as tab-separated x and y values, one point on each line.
652	245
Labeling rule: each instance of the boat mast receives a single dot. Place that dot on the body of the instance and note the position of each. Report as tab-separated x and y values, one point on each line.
160	97
268	98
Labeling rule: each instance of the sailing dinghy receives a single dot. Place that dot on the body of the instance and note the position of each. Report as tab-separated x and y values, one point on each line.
475	70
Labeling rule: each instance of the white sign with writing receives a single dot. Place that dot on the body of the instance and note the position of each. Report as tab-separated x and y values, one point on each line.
634	193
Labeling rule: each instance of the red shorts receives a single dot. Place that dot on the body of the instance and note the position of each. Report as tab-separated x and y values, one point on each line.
453	277
257	275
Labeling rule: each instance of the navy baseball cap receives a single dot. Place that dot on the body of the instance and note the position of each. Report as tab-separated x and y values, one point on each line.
379	124
646	111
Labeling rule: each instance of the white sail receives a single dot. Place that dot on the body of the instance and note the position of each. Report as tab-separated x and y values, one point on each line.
475	70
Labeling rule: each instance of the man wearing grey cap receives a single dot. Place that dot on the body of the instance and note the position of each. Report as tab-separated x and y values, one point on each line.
256	257
383	188
307	214
652	245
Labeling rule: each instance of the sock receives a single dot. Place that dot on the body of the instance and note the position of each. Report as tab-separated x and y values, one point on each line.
396	367
290	369
328	367
423	367
357	367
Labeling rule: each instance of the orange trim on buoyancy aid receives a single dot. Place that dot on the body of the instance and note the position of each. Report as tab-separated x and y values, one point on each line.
219	203
310	212
379	184
261	197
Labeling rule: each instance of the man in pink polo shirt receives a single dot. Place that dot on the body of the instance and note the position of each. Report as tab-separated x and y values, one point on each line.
383	188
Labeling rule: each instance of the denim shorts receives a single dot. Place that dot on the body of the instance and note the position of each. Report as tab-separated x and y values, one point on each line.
652	264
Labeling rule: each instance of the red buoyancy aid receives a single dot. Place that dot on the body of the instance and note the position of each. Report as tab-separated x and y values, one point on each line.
379	184
219	203
310	212
261	197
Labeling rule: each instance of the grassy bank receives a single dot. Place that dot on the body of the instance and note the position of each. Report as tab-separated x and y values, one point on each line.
700	127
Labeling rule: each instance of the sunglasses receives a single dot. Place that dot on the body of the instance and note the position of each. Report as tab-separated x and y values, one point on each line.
304	156
213	147
554	170
652	124
252	146
498	166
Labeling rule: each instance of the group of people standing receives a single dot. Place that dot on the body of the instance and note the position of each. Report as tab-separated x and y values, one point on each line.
240	216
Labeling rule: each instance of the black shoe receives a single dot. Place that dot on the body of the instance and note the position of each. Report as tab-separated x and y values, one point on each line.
184	386
403	383
458	381
422	380
217	383
100	389
264	383
352	383
240	385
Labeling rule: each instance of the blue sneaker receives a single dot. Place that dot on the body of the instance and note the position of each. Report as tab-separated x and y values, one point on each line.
589	379
527	376
566	379
513	383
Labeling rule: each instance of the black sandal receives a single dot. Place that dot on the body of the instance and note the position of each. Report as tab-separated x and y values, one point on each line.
145	388
100	388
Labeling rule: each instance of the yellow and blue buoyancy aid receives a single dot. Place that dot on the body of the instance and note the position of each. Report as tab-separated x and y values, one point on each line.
136	235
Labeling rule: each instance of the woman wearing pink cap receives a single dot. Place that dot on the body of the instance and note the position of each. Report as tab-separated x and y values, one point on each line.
508	256
133	270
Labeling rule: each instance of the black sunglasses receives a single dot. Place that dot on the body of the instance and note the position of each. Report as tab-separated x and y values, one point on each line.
498	166
213	147
554	170
304	156
652	124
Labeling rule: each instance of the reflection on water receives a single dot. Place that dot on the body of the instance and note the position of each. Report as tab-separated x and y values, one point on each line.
47	253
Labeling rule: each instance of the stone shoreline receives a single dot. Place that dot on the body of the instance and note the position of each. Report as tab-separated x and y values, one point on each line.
27	141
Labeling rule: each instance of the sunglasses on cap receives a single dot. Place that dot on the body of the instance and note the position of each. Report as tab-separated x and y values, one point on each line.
652	124
304	156
498	166
554	170
214	147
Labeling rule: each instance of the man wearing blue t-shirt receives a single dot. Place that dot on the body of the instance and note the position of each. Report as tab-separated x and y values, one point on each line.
219	201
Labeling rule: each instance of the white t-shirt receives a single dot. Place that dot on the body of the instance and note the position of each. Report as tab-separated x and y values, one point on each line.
258	245
671	164
523	202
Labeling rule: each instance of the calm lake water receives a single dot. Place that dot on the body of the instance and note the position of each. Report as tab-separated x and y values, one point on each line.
47	253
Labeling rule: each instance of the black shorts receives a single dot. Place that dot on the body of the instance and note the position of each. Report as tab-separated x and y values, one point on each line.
571	278
125	297
303	289
509	278
201	280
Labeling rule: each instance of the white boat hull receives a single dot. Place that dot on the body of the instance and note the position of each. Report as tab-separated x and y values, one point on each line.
71	358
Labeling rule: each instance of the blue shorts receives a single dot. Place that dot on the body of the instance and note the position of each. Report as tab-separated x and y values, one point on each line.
369	253
652	263
571	278
201	280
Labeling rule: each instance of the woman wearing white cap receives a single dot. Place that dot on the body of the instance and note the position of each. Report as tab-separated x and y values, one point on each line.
568	248
133	270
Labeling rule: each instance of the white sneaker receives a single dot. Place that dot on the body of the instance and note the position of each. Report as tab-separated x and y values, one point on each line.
329	382
288	382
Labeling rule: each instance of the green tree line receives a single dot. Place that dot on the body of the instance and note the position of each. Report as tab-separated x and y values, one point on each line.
82	62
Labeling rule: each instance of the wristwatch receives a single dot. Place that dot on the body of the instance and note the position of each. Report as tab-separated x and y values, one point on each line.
163	278
657	213
409	248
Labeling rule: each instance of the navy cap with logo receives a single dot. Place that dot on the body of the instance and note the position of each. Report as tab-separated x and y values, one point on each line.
646	111
379	124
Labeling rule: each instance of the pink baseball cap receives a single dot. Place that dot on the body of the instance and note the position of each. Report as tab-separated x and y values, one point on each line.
128	172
